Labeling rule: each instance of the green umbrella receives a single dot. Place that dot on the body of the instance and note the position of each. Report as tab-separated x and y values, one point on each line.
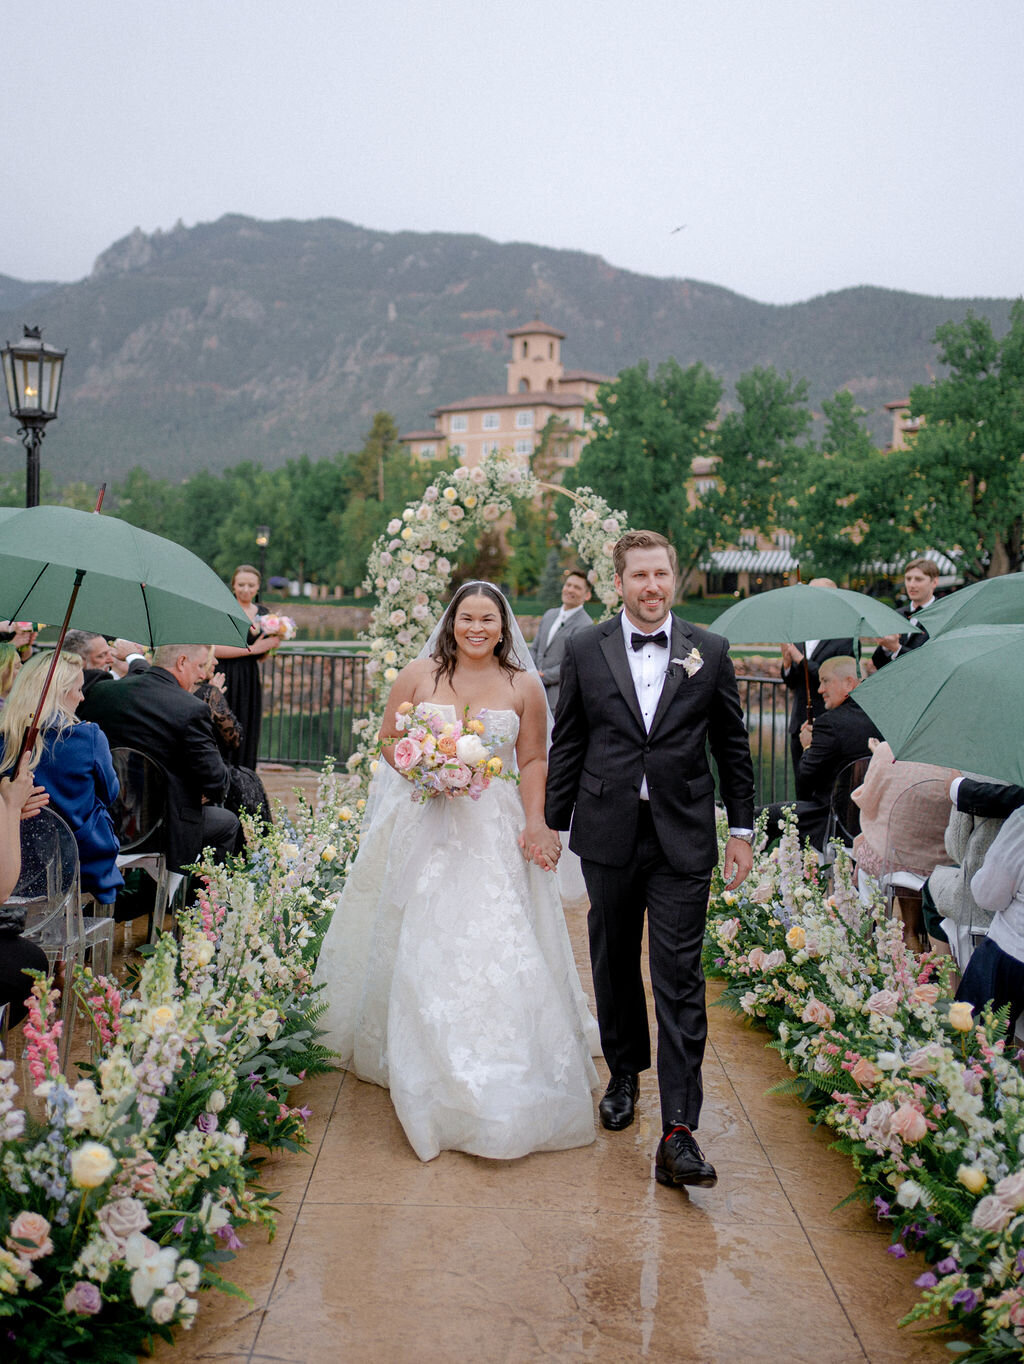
788	615
957	702
996	601
132	583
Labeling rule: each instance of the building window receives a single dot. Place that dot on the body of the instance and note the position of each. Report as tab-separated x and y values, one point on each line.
460	422
492	421
456	450
524	385
524	418
428	452
525	350
524	447
489	447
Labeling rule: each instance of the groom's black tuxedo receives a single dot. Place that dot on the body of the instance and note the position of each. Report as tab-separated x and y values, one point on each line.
600	751
654	856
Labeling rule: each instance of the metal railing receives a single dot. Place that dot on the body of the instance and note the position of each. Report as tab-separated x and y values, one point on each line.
313	692
311	695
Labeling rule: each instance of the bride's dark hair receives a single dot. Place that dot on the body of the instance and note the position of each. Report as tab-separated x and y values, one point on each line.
446	651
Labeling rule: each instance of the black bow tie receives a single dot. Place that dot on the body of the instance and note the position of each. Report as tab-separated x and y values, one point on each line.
661	639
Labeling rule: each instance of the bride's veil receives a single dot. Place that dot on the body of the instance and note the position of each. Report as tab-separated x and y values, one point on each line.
387	787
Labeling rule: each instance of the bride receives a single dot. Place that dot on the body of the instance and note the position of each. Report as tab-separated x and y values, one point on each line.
447	968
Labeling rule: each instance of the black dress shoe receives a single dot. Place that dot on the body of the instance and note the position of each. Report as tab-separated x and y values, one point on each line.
616	1108
681	1161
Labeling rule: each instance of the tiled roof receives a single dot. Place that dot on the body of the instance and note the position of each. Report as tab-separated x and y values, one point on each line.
538	398
587	375
423	435
535	327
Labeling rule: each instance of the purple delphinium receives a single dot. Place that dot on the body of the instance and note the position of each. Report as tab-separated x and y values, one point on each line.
946	1266
966	1298
927	1280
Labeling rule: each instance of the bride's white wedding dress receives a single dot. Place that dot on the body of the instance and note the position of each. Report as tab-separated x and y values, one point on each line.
450	978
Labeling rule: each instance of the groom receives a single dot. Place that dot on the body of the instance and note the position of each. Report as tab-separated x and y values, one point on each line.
642	696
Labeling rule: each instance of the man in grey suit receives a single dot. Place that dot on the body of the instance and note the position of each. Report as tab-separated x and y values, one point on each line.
548	647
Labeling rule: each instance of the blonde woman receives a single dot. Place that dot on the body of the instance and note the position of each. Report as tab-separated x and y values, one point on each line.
71	759
10	664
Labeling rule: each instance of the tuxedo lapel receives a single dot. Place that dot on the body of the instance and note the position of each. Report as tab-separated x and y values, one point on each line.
679	646
613	646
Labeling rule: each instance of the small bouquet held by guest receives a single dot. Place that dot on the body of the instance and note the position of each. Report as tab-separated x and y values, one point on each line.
442	757
277	625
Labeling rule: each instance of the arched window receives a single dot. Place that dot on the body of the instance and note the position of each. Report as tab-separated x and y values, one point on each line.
525	350
524	385
550	385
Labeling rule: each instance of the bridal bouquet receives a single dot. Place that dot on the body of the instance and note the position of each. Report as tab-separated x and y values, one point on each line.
278	625
442	757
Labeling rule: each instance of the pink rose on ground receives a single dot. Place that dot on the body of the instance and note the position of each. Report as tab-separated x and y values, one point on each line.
84	1299
34	1228
815	1011
728	929
477	475
455	513
421	563
773	960
394	526
908	1122
866	1073
119	1218
394	585
925	994
408	575
991	1214
456	776
756	957
877	1119
491	512
443	567
1010	1190
386	558
924	1061
407	754
396	618
884	1002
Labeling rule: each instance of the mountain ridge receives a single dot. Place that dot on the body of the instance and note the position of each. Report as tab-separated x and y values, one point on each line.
244	339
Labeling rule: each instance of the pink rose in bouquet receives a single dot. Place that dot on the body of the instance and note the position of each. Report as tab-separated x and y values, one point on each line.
278	625
442	757
407	753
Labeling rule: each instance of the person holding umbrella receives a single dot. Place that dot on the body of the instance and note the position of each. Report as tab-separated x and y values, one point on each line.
800	664
919	579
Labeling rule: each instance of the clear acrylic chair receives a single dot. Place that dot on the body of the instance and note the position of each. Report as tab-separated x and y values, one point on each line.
900	884
139	815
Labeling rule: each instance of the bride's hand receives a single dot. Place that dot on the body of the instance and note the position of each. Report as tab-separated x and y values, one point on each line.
545	846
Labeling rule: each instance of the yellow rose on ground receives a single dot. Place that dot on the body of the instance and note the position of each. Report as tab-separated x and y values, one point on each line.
407	533
961	1016
91	1165
796	938
444	525
471	501
449	494
329	853
345	814
203	951
972	1178
160	1018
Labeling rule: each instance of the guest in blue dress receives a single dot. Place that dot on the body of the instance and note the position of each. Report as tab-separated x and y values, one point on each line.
71	759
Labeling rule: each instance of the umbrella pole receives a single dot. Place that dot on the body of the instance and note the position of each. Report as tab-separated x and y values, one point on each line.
807	685
30	734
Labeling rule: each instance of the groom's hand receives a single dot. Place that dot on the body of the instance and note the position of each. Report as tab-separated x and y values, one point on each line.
738	861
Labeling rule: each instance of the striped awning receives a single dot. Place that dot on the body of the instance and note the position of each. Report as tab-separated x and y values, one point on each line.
750	561
946	566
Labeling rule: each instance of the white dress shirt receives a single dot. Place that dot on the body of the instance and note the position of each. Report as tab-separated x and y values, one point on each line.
559	621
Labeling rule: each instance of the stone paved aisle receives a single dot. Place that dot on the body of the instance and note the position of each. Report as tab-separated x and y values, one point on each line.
568	1255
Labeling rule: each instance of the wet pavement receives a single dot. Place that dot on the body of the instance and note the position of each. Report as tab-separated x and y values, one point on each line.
566	1255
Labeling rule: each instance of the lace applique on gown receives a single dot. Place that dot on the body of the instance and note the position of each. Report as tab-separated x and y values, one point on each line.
450	977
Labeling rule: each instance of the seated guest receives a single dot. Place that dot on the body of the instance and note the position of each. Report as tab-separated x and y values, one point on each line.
101	661
829	744
245	790
800	672
915	832
19	800
979	809
10	662
154	711
72	761
995	972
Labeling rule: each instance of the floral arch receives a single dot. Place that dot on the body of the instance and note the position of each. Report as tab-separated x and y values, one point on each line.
410	564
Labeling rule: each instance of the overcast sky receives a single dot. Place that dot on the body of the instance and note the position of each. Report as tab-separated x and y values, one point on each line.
800	146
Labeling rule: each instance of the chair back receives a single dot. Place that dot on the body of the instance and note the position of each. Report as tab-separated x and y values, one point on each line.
47	888
843	811
141	805
920	806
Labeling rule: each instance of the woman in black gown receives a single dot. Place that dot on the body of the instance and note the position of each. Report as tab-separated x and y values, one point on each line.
243	683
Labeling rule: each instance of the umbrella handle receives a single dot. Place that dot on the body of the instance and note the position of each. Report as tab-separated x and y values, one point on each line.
29	737
99	498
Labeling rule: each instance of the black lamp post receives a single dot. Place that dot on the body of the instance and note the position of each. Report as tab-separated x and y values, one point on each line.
32	373
262	541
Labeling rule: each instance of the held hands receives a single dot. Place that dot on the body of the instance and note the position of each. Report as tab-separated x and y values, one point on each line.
738	861
542	845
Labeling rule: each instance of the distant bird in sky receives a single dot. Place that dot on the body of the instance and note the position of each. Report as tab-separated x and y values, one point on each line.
677	229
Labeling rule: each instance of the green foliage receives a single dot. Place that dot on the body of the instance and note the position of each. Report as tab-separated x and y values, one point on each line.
647	432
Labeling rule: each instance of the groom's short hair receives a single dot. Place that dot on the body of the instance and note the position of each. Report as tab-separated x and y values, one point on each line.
642	539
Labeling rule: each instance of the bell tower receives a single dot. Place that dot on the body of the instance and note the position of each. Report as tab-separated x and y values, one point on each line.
536	364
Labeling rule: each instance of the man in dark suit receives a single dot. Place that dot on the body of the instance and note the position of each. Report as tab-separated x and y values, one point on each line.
919	579
642	697
835	739
548	647
155	711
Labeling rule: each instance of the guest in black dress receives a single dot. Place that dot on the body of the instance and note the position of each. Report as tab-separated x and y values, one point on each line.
245	790
243	683
19	799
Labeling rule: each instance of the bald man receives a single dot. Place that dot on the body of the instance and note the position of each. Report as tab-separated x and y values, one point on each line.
802	681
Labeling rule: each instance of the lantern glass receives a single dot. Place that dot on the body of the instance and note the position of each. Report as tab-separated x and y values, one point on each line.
32	374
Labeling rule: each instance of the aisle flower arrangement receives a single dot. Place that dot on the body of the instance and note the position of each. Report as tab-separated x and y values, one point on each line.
924	1096
128	1196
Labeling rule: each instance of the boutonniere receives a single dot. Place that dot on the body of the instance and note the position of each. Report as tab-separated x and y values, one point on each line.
691	664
